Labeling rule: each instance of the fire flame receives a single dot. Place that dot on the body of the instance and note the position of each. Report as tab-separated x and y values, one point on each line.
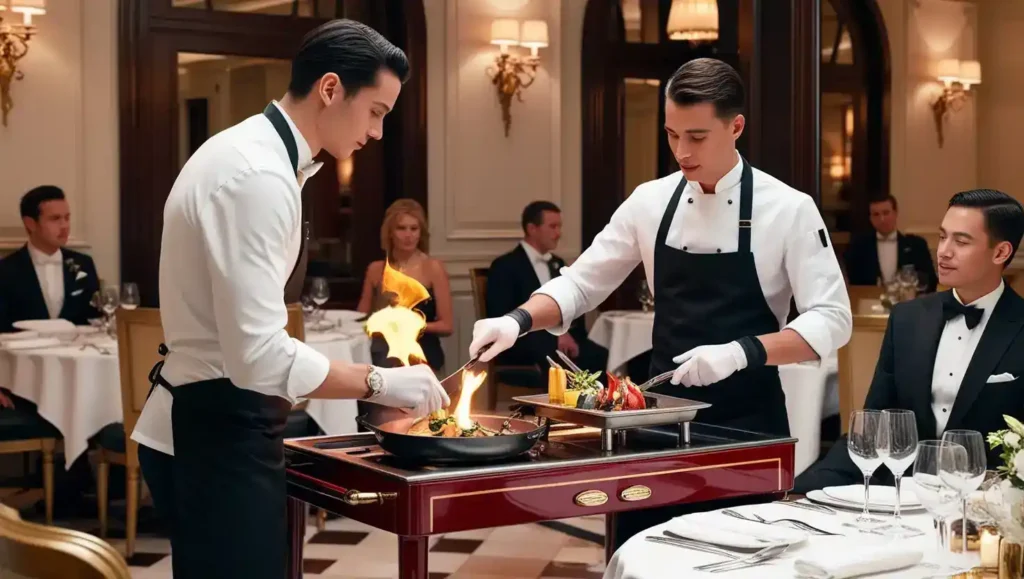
470	383
399	323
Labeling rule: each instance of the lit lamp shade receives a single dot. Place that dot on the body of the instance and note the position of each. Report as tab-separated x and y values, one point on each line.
970	72
534	34
949	70
27	8
505	32
693	20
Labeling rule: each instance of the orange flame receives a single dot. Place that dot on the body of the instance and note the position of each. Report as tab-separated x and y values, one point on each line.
470	383
398	323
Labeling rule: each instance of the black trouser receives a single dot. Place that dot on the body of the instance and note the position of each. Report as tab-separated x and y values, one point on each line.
158	472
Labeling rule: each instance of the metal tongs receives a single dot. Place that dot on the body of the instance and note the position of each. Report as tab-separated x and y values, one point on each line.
660	378
472	361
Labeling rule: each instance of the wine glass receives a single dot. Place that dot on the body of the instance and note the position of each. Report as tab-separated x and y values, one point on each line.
897	445
319	290
940	499
109	300
129	296
864	428
965	475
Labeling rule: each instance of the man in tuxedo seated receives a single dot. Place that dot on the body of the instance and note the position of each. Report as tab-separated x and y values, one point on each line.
882	253
513	277
955	358
43	279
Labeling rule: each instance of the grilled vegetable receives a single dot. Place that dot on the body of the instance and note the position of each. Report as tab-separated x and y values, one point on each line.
586	401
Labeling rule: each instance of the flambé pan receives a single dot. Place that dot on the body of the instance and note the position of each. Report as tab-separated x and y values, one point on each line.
393	436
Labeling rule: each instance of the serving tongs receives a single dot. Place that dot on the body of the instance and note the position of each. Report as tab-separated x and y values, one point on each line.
660	378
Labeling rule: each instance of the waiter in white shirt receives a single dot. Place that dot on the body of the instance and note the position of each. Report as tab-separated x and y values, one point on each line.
725	247
233	234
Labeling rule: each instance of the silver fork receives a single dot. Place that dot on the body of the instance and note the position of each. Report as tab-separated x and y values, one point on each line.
755	518
762	556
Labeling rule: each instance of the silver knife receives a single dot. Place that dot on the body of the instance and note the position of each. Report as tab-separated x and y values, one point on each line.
465	366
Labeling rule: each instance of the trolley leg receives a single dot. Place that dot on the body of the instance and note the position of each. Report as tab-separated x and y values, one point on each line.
684	433
607	439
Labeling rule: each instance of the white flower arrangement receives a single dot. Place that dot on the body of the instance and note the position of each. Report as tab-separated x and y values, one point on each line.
1003	497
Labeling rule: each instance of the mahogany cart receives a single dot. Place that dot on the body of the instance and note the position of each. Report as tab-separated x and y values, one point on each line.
566	475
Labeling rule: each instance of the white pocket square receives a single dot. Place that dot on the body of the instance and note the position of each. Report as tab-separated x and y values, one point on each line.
81	275
999	378
76	292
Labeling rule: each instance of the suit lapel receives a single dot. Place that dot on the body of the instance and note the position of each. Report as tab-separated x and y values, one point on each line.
1003	326
69	284
33	288
929	330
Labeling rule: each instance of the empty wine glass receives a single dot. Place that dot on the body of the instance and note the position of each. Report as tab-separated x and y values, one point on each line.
897	445
109	300
319	290
863	449
129	296
964	475
940	499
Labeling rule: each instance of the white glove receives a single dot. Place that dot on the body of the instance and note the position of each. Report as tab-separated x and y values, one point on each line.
705	365
413	388
496	334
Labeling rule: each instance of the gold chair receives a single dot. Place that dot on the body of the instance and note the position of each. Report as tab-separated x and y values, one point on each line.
857	361
28	550
48	446
494	388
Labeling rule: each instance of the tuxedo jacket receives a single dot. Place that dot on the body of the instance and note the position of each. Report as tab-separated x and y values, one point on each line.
21	296
903	379
861	259
511	281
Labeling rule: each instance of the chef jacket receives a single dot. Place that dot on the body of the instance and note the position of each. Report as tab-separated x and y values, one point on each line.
231	237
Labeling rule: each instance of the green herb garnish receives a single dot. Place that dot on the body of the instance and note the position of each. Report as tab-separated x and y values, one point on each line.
583	381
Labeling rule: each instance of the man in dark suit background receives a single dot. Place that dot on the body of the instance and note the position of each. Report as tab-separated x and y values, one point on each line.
514	276
881	254
955	358
44	279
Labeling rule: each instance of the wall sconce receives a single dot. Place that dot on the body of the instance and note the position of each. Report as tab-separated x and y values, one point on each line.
695	20
510	74
14	39
957	77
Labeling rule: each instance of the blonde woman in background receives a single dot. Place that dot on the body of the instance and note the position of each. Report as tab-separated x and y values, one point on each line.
404	237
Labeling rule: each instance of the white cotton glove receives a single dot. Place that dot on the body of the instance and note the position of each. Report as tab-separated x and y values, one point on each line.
705	365
413	388
494	334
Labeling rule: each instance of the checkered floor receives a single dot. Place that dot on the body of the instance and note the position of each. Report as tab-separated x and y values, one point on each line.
346	549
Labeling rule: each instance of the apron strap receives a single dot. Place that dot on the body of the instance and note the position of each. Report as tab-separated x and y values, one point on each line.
746	206
670	212
285	132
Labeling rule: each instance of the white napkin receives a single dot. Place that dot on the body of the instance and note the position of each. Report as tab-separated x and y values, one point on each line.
30	344
854	562
45	326
884	496
23	335
714	527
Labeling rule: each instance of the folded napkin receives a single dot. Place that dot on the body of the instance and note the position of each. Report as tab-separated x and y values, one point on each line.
854	562
714	527
23	335
881	495
46	326
30	344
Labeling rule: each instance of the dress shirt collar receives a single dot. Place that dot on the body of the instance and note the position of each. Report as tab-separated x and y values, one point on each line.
986	302
534	255
40	258
891	237
306	165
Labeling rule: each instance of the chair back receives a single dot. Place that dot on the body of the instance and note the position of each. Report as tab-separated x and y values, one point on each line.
478	279
296	327
857	361
29	550
139	335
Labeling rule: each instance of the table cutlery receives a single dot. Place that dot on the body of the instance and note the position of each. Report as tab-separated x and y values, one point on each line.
755	518
808	506
679	537
568	361
693	546
659	379
752	560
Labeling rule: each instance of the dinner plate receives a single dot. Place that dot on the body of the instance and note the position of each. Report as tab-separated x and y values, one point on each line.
818	496
58	326
30	344
23	335
881	495
716	528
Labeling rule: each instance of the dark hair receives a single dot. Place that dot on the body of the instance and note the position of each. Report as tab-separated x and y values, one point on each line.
889	198
1004	216
533	214
708	80
33	200
350	49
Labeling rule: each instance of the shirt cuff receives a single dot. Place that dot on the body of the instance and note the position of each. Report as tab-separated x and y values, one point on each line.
309	370
813	329
563	291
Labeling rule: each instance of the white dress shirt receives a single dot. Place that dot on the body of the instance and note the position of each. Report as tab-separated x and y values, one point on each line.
789	255
888	256
539	262
50	271
956	348
231	238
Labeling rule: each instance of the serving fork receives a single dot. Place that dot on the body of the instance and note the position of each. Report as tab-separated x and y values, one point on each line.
755	518
734	561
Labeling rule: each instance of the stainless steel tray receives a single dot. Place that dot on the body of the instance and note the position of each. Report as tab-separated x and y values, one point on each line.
668	410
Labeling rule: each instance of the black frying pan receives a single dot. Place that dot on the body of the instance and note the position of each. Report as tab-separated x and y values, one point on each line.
392	435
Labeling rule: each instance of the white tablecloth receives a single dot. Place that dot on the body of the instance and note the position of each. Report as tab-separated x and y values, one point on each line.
627	334
642	559
79	390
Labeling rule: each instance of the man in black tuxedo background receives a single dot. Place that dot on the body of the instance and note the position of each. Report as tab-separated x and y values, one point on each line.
880	254
512	279
44	279
955	358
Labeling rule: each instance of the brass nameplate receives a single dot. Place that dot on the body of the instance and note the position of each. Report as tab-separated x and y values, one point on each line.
635	493
591	498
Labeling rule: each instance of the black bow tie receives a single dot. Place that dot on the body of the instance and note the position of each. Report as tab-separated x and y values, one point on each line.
952	308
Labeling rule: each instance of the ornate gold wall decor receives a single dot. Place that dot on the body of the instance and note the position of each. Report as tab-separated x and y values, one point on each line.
14	39
511	74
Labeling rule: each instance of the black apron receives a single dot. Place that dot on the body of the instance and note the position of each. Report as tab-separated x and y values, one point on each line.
715	298
229	469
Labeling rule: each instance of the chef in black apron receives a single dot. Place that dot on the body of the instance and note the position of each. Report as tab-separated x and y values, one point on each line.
233	255
724	255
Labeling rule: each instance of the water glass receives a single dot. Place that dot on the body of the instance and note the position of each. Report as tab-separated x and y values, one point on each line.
964	474
897	445
863	448
941	500
130	296
319	290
